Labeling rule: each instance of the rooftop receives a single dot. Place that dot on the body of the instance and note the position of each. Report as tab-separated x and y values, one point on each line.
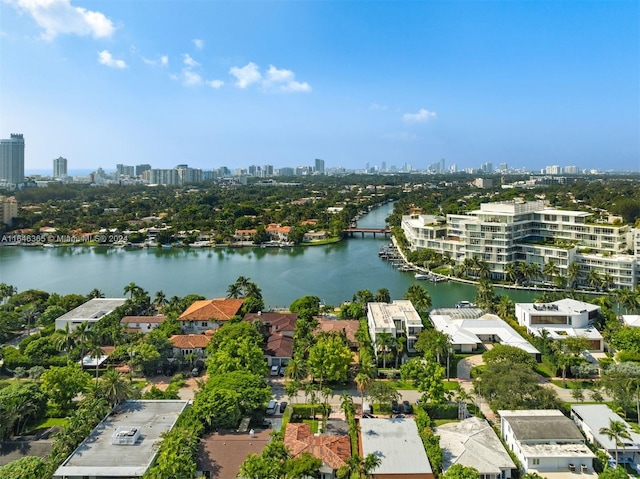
544	425
596	416
397	443
563	307
384	314
334	451
218	309
474	443
222	452
92	310
190	341
96	456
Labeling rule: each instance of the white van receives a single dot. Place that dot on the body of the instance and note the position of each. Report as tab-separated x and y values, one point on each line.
275	370
271	408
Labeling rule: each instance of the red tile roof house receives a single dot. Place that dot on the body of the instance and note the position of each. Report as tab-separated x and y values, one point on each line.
209	314
141	324
277	232
333	451
190	343
280	328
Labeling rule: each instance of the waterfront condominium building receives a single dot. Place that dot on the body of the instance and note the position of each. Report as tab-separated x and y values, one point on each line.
531	232
12	161
60	167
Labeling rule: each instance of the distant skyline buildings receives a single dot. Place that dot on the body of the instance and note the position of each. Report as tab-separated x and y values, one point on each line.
12	160
60	167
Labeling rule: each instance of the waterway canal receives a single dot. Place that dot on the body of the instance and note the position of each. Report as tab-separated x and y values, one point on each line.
331	272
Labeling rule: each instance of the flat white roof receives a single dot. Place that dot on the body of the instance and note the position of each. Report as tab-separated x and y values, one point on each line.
631	320
562	307
397	443
92	310
466	331
401	309
596	416
96	456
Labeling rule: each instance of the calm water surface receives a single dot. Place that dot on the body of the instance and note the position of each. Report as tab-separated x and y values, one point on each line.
332	272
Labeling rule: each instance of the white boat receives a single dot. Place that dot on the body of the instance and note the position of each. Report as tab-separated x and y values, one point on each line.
422	276
465	304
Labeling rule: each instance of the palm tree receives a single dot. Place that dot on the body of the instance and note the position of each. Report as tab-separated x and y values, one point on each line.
506	307
573	272
483	269
511	272
296	370
551	270
607	282
115	388
6	291
29	314
234	291
160	300
95	293
132	289
383	345
83	335
370	463
593	278
363	381
419	297
96	352
484	295
67	342
383	296
617	430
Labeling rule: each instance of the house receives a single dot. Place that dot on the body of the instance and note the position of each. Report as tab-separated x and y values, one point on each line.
209	314
631	320
348	327
244	235
333	450
591	417
546	441
561	319
279	330
90	312
473	442
277	232
468	328
278	350
141	324
184	344
284	323
221	453
311	236
124	444
399	318
398	445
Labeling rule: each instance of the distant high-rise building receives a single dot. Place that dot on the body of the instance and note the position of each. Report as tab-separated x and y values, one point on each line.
383	168
553	170
268	170
12	160
286	171
8	209
162	176
571	170
124	170
319	166
142	168
60	167
503	167
487	167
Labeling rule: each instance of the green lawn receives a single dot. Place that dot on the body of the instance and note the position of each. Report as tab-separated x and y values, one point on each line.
543	371
574	383
48	422
450	385
440	422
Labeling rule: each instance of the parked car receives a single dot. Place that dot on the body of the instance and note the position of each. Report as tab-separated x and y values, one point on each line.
271	408
275	370
395	407
283	406
406	407
266	423
367	415
282	369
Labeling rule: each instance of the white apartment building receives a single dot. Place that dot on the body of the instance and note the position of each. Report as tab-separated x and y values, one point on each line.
561	319
398	318
505	232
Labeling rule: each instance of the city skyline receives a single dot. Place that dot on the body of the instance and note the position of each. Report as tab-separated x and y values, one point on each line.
234	84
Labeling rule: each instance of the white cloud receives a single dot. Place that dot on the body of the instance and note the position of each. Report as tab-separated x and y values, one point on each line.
420	117
376	107
284	80
163	61
190	78
58	17
198	43
190	61
245	76
105	58
215	83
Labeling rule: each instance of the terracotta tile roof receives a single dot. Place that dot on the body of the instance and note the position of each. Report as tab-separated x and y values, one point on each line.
190	341
142	319
274	322
279	346
274	228
219	309
332	450
221	453
244	232
349	327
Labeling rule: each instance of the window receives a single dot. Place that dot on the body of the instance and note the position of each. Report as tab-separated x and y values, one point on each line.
204	324
535	461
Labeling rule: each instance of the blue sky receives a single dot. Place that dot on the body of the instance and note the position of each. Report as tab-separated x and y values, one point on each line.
239	83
